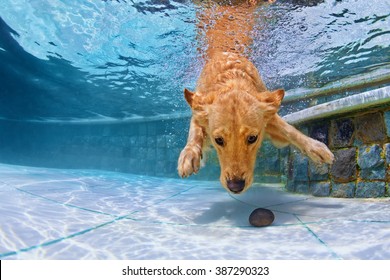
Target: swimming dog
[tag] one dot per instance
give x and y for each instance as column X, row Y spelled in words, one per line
column 231, row 107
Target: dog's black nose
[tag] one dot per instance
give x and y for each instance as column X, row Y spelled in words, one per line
column 236, row 186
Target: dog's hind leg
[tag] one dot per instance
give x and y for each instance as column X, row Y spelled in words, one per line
column 282, row 134
column 190, row 156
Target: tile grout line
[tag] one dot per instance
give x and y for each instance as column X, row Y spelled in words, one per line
column 162, row 200
column 91, row 210
column 118, row 218
column 334, row 254
column 45, row 244
column 65, row 204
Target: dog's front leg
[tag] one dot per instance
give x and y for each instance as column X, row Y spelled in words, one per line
column 190, row 156
column 281, row 134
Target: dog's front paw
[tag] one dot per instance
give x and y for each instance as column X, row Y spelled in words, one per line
column 319, row 152
column 189, row 160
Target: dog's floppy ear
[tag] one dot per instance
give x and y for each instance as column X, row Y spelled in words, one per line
column 271, row 100
column 198, row 104
column 189, row 96
column 197, row 101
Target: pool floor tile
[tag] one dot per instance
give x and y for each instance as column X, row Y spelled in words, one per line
column 86, row 214
column 128, row 239
column 356, row 239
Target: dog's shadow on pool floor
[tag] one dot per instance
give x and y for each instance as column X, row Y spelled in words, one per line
column 225, row 213
column 284, row 205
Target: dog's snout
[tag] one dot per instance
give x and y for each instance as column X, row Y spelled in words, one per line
column 236, row 186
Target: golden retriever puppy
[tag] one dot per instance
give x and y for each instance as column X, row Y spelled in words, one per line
column 231, row 107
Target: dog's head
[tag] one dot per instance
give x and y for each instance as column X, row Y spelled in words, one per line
column 235, row 122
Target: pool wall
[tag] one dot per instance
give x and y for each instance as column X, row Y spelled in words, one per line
column 140, row 147
column 147, row 148
column 357, row 130
column 361, row 145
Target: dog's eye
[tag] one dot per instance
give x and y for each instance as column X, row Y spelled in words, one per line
column 219, row 141
column 252, row 139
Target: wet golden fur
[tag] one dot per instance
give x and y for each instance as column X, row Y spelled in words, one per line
column 232, row 109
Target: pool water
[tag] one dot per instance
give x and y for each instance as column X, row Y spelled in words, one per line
column 93, row 84
column 84, row 60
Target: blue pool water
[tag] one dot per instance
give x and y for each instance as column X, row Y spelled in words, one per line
column 91, row 86
column 121, row 59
